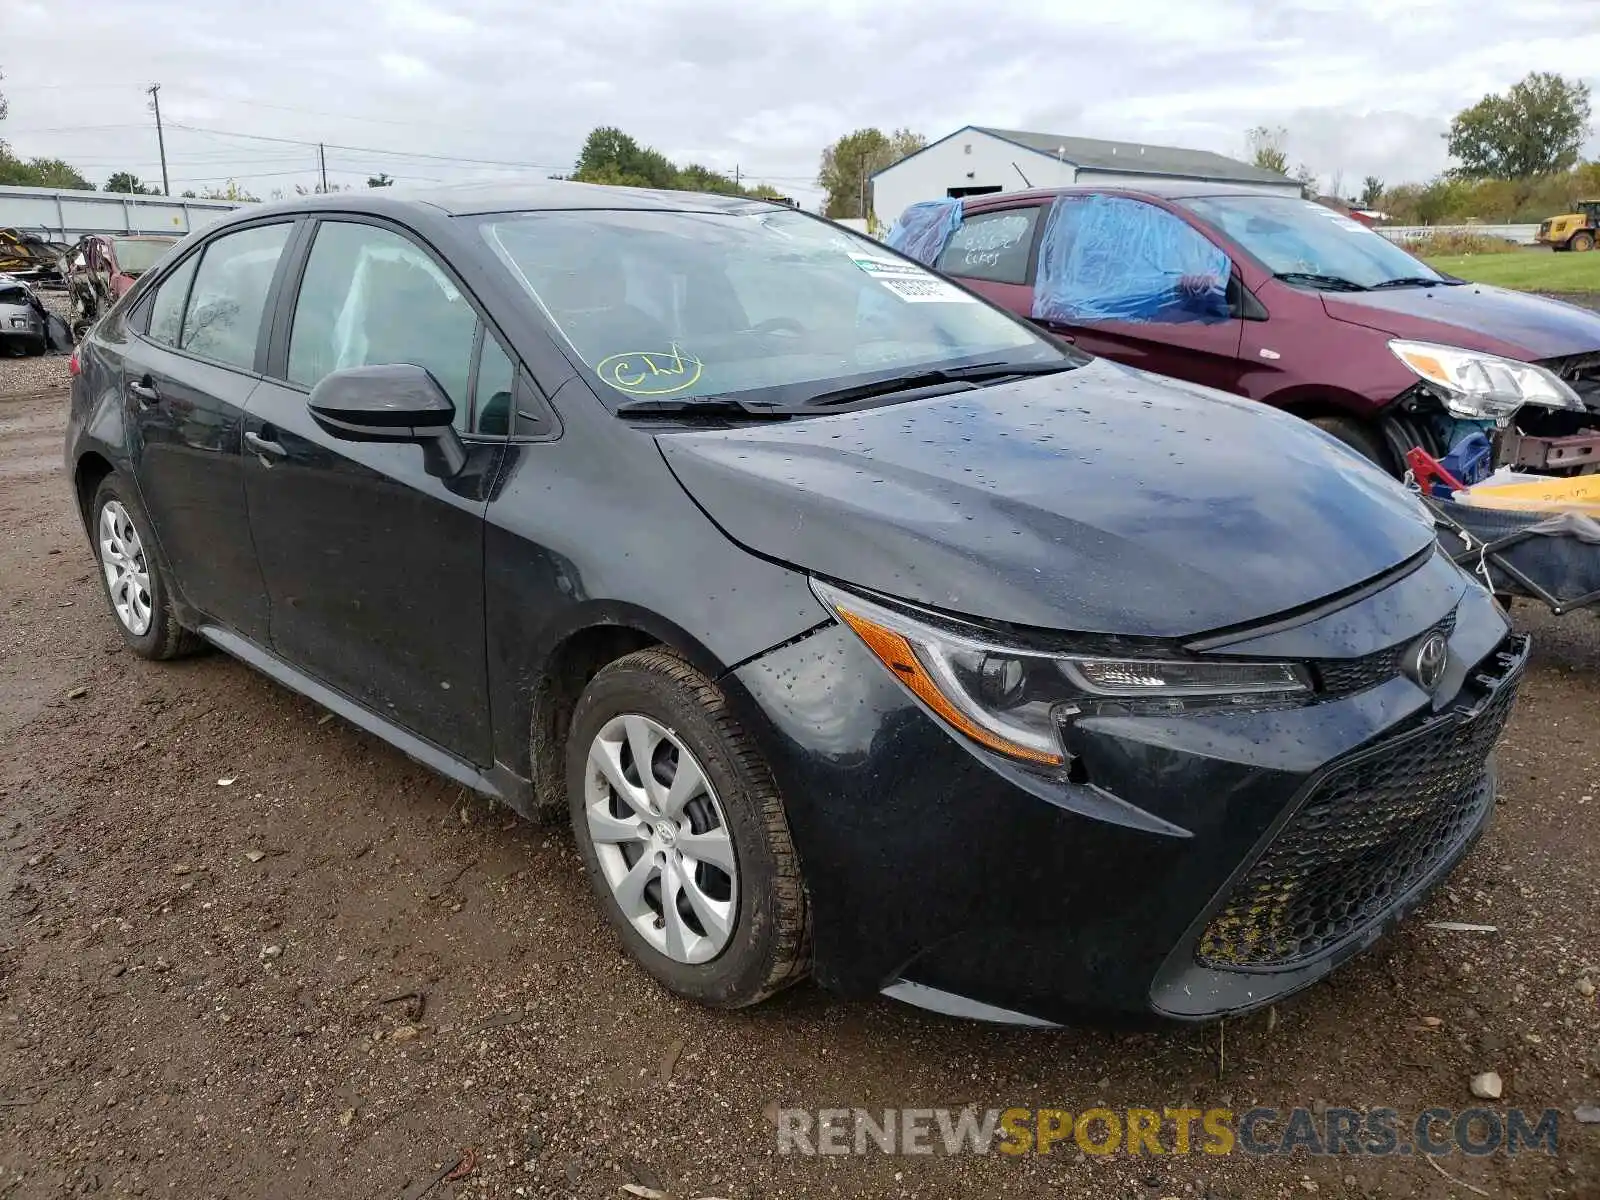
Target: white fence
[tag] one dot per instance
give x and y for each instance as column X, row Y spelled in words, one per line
column 65, row 216
column 1521, row 234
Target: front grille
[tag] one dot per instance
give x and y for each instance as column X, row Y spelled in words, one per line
column 1369, row 833
column 1346, row 676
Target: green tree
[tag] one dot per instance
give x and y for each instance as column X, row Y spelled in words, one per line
column 611, row 156
column 129, row 184
column 849, row 164
column 1536, row 128
column 1371, row 191
column 380, row 180
column 1307, row 179
column 41, row 173
column 229, row 191
column 1267, row 148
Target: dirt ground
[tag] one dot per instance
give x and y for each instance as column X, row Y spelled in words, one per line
column 249, row 951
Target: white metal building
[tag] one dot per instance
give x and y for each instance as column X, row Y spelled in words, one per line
column 976, row 160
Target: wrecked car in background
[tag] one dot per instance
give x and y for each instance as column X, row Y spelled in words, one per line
column 26, row 326
column 1285, row 301
column 100, row 268
column 29, row 257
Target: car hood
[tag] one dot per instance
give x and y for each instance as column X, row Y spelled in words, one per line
column 1476, row 316
column 1099, row 500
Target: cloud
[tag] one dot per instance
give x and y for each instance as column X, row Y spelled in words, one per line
column 1363, row 86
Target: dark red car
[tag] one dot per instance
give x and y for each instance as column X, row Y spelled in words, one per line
column 101, row 267
column 1286, row 301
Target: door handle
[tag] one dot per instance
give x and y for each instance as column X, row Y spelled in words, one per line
column 266, row 448
column 145, row 393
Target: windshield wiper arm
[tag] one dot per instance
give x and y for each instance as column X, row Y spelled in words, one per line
column 1413, row 281
column 937, row 381
column 1334, row 283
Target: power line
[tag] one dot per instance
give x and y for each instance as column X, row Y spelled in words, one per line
column 417, row 154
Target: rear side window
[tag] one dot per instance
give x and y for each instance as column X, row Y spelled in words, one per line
column 166, row 307
column 992, row 245
column 223, row 319
column 372, row 297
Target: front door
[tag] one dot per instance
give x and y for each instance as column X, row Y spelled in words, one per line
column 186, row 379
column 1132, row 282
column 373, row 566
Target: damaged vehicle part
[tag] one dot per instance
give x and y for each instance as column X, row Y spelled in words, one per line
column 25, row 324
column 100, row 268
column 858, row 628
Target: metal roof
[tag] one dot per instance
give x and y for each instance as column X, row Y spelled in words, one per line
column 1132, row 158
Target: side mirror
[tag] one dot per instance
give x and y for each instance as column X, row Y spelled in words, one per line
column 392, row 403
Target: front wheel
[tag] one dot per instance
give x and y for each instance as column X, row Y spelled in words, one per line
column 134, row 585
column 684, row 835
column 1360, row 437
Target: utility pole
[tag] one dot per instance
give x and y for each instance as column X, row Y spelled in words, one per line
column 736, row 175
column 155, row 98
column 322, row 163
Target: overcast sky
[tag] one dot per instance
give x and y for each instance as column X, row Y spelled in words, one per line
column 1363, row 86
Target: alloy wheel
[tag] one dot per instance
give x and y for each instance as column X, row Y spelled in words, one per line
column 661, row 838
column 122, row 558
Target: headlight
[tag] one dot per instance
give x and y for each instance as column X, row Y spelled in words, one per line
column 1013, row 700
column 1484, row 386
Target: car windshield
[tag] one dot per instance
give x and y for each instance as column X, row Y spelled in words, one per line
column 135, row 256
column 755, row 303
column 1295, row 237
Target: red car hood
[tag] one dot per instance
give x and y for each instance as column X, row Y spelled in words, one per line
column 1475, row 316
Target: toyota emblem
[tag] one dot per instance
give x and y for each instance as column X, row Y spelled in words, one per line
column 1425, row 663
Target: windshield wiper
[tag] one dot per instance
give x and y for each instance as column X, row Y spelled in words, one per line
column 1414, row 281
column 700, row 406
column 937, row 381
column 1334, row 283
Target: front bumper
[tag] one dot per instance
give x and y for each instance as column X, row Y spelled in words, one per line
column 946, row 873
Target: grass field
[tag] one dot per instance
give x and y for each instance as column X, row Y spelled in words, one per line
column 1527, row 270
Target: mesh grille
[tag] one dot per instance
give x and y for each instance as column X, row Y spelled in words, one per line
column 1368, row 834
column 1345, row 676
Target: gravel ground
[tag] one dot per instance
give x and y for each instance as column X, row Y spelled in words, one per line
column 249, row 951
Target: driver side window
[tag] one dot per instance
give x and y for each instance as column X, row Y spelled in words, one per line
column 372, row 297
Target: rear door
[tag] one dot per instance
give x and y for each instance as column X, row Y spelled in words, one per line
column 374, row 567
column 994, row 252
column 1133, row 282
column 186, row 377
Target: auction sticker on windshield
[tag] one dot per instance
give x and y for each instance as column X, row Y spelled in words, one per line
column 910, row 282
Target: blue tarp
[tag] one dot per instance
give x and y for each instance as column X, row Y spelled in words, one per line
column 924, row 228
column 1106, row 258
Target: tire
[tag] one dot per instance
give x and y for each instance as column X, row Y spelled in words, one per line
column 764, row 944
column 1360, row 437
column 158, row 636
column 1581, row 241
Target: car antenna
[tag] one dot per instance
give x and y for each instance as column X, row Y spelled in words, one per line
column 1018, row 170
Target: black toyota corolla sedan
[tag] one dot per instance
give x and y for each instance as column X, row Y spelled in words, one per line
column 862, row 631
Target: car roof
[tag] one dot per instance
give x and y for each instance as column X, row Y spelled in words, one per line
column 470, row 199
column 1161, row 190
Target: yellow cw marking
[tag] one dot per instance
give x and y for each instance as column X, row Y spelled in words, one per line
column 650, row 372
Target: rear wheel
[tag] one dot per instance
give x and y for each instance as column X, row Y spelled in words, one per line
column 134, row 584
column 1360, row 437
column 684, row 835
column 1582, row 241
